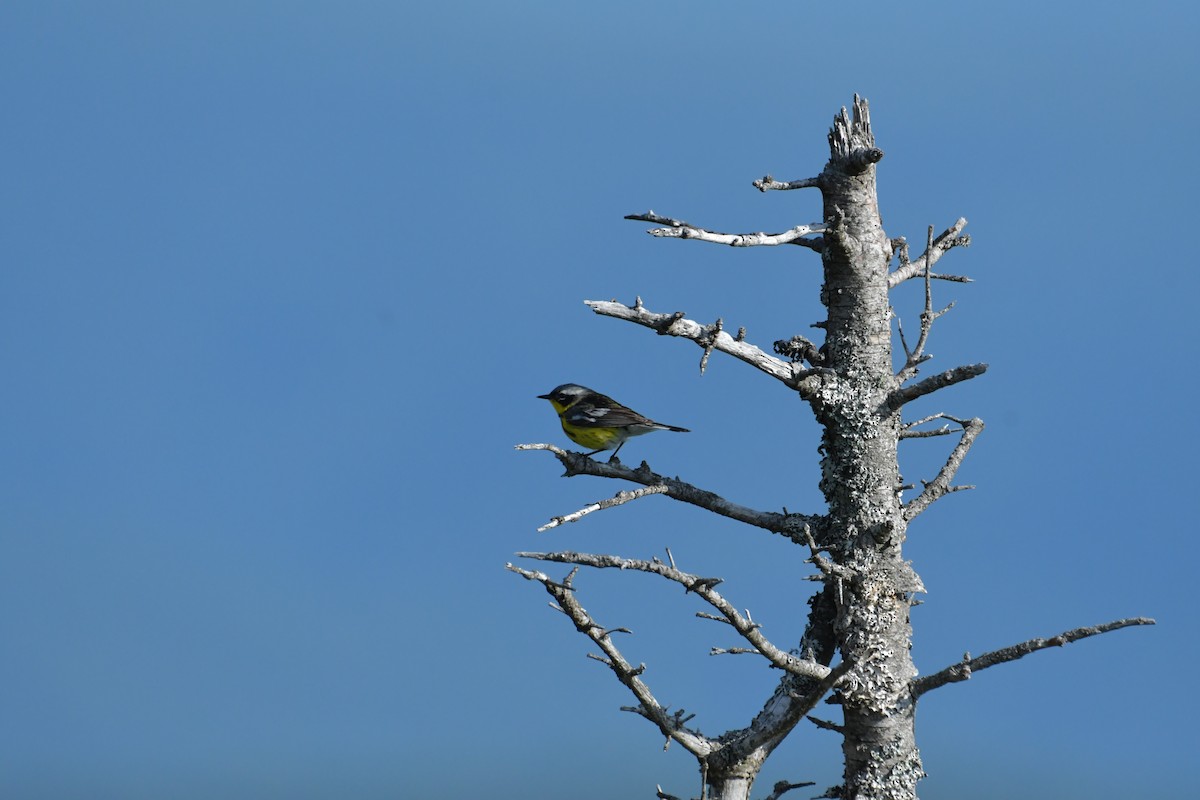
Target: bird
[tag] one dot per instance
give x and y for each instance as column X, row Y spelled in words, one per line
column 596, row 420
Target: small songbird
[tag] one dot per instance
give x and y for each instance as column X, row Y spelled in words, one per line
column 595, row 420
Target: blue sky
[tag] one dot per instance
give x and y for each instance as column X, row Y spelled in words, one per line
column 280, row 283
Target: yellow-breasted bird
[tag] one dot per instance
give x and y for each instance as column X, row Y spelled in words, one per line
column 596, row 420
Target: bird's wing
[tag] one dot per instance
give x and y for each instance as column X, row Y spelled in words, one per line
column 592, row 416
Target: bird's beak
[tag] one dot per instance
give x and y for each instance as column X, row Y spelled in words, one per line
column 543, row 397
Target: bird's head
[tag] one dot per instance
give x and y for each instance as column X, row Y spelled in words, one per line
column 565, row 396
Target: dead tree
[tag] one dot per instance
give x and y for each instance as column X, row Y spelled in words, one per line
column 856, row 642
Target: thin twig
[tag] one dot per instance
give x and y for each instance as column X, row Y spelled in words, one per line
column 620, row 498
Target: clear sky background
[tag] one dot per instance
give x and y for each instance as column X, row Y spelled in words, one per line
column 279, row 283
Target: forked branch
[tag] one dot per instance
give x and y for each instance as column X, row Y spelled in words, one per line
column 705, row 589
column 909, row 429
column 947, row 239
column 964, row 669
column 671, row 726
column 941, row 486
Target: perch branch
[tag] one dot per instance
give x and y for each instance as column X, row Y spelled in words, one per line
column 678, row 229
column 787, row 524
column 704, row 587
column 620, row 498
column 964, row 669
column 671, row 726
column 940, row 485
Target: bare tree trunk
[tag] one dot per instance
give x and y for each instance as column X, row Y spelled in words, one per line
column 860, row 477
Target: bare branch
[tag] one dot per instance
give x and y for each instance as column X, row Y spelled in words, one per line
column 934, row 382
column 767, row 183
column 790, row 525
column 926, row 315
column 964, row 669
column 620, row 498
column 704, row 587
column 678, row 229
column 693, row 741
column 947, row 239
column 793, row 696
column 708, row 337
column 940, row 485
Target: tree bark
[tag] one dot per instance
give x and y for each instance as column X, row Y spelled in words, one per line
column 860, row 476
